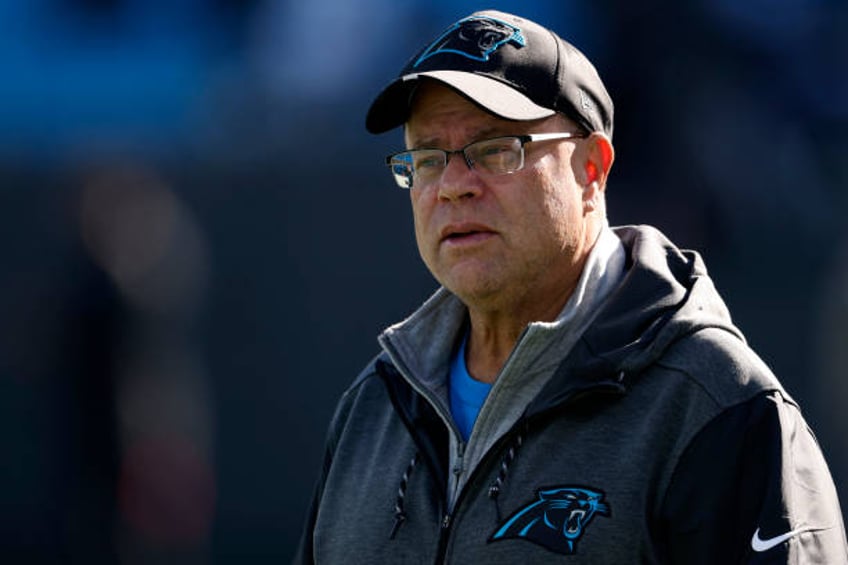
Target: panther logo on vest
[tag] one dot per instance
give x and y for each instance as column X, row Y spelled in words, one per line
column 475, row 37
column 556, row 520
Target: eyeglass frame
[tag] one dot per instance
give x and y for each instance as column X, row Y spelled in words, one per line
column 522, row 139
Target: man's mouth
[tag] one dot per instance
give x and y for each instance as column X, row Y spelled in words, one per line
column 465, row 233
column 461, row 234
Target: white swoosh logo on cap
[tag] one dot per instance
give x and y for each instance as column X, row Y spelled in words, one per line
column 759, row 545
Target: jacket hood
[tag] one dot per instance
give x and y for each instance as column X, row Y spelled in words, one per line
column 665, row 295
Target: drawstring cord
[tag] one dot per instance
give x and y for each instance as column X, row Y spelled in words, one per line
column 495, row 488
column 400, row 514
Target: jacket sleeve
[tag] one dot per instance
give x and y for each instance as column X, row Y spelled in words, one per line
column 753, row 487
column 304, row 554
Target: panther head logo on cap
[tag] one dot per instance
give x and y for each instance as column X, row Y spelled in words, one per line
column 475, row 37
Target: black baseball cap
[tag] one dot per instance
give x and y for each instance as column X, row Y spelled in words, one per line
column 510, row 66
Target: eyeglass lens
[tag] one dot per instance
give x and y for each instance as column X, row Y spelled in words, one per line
column 421, row 167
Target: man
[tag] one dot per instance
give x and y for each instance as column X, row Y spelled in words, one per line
column 572, row 391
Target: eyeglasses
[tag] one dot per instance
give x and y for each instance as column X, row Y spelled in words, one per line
column 497, row 156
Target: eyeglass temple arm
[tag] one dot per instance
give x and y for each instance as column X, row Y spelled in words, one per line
column 549, row 136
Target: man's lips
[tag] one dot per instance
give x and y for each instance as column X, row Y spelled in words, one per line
column 465, row 232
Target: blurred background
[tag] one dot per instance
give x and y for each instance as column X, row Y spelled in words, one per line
column 200, row 244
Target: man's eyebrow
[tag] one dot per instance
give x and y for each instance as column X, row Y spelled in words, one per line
column 427, row 142
column 485, row 133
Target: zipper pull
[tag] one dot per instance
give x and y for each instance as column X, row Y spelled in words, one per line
column 459, row 461
column 446, row 522
column 457, row 467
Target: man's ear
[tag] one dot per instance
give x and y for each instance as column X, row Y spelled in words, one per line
column 599, row 159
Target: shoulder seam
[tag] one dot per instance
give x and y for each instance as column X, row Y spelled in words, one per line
column 748, row 360
column 691, row 378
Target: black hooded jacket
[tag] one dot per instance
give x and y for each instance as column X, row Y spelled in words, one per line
column 660, row 438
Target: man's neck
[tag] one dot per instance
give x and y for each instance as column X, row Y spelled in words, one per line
column 497, row 324
column 495, row 333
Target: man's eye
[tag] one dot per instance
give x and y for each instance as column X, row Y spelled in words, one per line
column 496, row 149
column 428, row 162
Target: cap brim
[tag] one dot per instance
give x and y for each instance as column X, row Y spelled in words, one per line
column 391, row 107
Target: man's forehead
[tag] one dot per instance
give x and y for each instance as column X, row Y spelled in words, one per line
column 438, row 113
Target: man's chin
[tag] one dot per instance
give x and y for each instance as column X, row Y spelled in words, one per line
column 474, row 286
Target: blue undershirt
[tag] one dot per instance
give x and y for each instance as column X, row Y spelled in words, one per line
column 466, row 394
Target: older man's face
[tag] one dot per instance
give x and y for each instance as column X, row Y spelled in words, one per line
column 493, row 240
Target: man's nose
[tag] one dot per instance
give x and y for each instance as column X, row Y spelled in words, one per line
column 459, row 179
